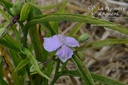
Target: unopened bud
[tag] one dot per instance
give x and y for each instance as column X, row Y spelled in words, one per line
column 15, row 10
column 84, row 37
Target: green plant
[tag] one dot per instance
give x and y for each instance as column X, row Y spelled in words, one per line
column 23, row 64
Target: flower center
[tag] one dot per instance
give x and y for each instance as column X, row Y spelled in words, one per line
column 61, row 39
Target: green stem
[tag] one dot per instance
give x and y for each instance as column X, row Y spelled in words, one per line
column 56, row 73
column 24, row 34
column 63, row 67
column 34, row 35
column 85, row 74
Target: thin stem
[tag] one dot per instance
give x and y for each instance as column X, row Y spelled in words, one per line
column 13, row 21
column 56, row 73
column 63, row 67
column 46, row 62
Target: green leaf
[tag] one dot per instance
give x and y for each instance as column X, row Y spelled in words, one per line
column 22, row 64
column 14, row 13
column 85, row 74
column 37, row 12
column 50, row 29
column 16, row 79
column 9, row 45
column 76, row 18
column 2, row 31
column 96, row 77
column 36, row 43
column 17, row 34
column 33, row 62
column 25, row 11
column 101, row 43
column 7, row 5
column 38, row 53
column 75, row 29
column 1, row 66
column 105, row 80
column 15, row 57
column 16, row 8
column 61, row 10
column 3, row 82
column 2, row 25
column 12, row 41
column 4, row 15
column 9, row 42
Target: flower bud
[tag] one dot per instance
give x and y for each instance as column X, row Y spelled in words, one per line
column 84, row 37
column 15, row 10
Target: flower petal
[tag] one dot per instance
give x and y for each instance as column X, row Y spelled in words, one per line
column 72, row 42
column 52, row 43
column 64, row 53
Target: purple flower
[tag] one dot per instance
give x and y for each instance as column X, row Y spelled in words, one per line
column 62, row 44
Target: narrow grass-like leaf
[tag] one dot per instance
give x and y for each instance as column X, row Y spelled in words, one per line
column 75, row 29
column 3, row 24
column 9, row 42
column 17, row 34
column 2, row 31
column 96, row 77
column 15, row 57
column 4, row 15
column 105, row 80
column 1, row 66
column 24, row 14
column 6, row 4
column 14, row 75
column 37, row 12
column 34, row 35
column 61, row 10
column 36, row 39
column 2, row 82
column 85, row 74
column 76, row 18
column 50, row 28
column 33, row 62
column 101, row 43
column 56, row 76
column 9, row 45
column 22, row 64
